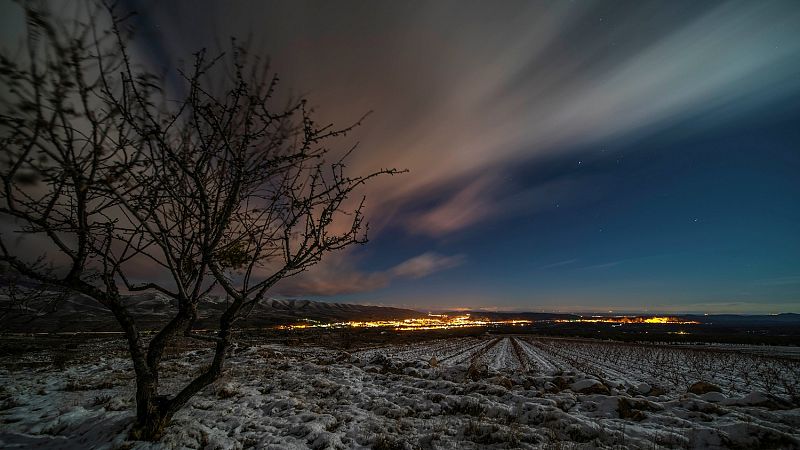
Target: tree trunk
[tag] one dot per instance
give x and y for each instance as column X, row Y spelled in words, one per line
column 152, row 410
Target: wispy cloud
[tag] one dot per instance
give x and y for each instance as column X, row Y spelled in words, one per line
column 426, row 264
column 338, row 276
column 466, row 207
column 480, row 98
column 519, row 105
column 566, row 262
column 605, row 265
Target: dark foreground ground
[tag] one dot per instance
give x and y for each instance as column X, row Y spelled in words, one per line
column 380, row 389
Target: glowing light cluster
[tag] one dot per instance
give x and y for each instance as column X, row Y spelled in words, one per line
column 444, row 321
column 636, row 319
column 429, row 322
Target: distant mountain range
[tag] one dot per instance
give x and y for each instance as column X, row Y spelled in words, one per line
column 51, row 313
column 48, row 313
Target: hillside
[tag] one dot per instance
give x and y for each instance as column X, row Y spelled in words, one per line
column 48, row 313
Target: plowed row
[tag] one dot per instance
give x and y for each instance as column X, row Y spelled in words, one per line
column 669, row 367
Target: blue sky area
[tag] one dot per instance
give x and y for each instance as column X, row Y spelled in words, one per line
column 571, row 156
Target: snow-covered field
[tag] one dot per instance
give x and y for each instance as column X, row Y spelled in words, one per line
column 492, row 392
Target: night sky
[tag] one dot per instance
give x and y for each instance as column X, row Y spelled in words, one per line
column 572, row 156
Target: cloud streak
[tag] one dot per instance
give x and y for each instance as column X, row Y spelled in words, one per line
column 337, row 276
column 426, row 264
column 463, row 93
column 469, row 96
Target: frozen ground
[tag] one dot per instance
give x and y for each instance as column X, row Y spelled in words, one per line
column 468, row 393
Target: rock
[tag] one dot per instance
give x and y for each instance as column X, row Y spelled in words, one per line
column 379, row 359
column 589, row 386
column 759, row 399
column 412, row 372
column 562, row 382
column 713, row 397
column 633, row 408
column 656, row 391
column 703, row 387
column 433, row 362
column 628, row 409
column 643, row 388
column 372, row 369
column 505, row 382
column 477, row 371
column 528, row 383
column 118, row 404
column 551, row 388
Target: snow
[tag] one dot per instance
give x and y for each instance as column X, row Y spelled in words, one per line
column 713, row 397
column 585, row 384
column 498, row 392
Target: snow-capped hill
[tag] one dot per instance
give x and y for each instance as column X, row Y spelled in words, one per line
column 54, row 313
column 288, row 310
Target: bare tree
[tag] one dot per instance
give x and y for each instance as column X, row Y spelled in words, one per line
column 220, row 189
